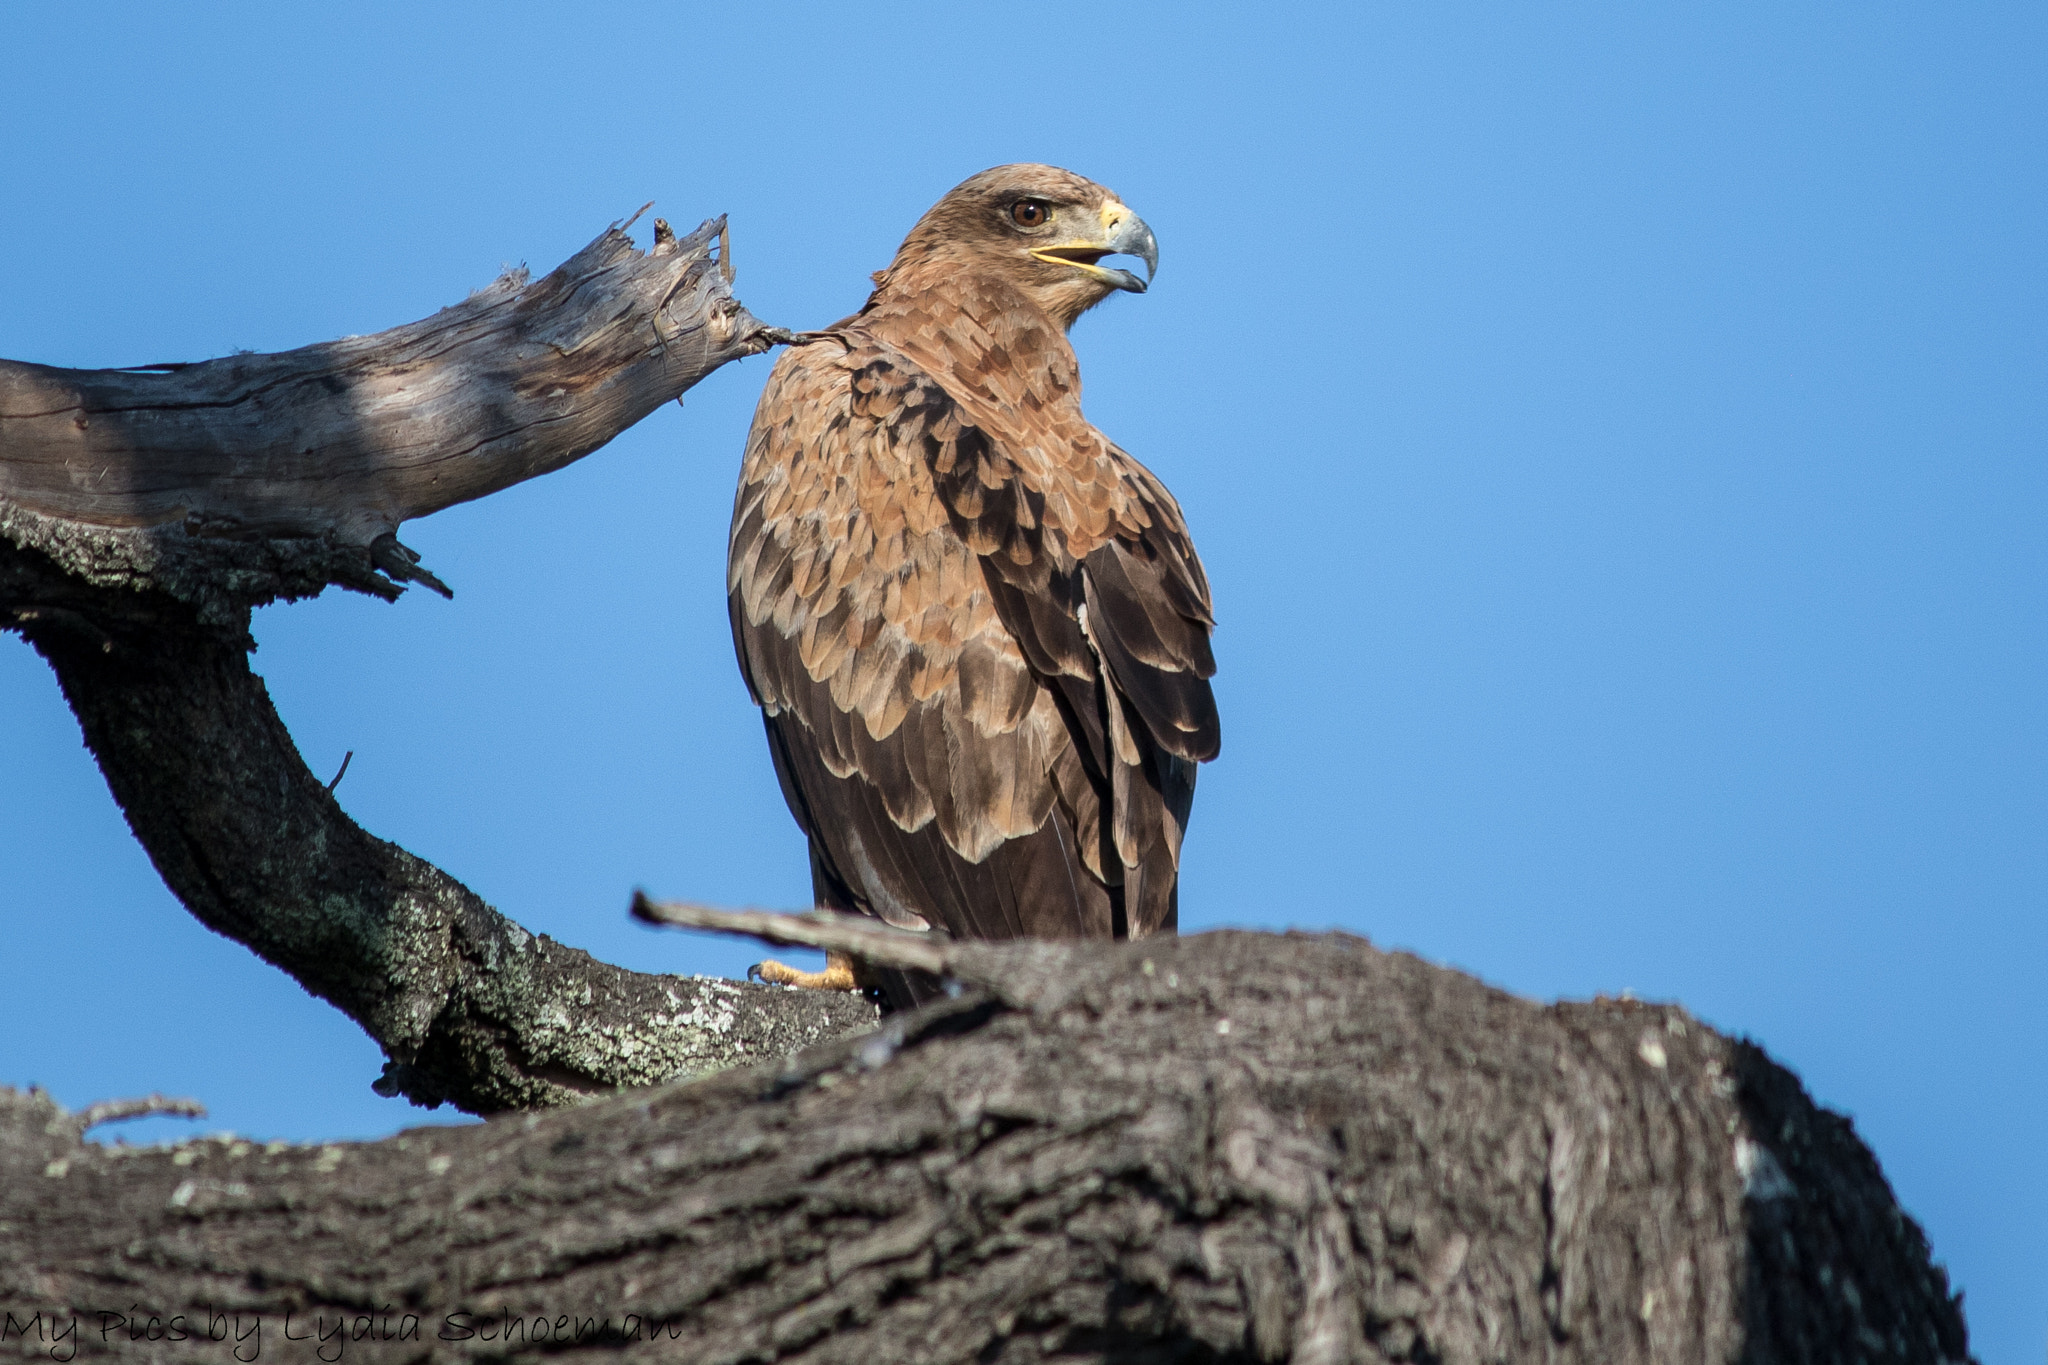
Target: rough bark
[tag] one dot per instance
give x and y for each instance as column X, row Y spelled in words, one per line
column 1228, row 1147
column 1231, row 1147
column 143, row 514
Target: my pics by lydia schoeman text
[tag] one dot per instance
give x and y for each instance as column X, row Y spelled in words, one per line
column 326, row 1335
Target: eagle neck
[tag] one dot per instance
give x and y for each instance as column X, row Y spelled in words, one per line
column 979, row 337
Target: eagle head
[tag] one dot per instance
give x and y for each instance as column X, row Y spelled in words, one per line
column 1040, row 229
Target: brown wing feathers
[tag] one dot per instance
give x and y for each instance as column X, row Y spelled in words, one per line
column 978, row 632
column 914, row 743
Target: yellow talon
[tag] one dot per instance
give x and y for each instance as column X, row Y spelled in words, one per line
column 837, row 976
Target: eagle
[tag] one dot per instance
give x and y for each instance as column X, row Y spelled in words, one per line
column 977, row 630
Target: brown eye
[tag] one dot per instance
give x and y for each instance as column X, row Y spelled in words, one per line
column 1029, row 212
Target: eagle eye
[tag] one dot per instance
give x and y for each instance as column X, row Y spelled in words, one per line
column 1030, row 212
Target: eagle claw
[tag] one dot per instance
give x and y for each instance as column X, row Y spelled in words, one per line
column 837, row 976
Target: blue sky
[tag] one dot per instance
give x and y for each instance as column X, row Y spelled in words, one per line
column 1615, row 435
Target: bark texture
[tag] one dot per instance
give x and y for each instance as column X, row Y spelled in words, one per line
column 232, row 481
column 1230, row 1147
column 143, row 514
column 1225, row 1148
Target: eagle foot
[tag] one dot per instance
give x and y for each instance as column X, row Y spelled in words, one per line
column 837, row 976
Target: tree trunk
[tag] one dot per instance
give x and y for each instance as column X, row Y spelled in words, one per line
column 1228, row 1147
column 1224, row 1148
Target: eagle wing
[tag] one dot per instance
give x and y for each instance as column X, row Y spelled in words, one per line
column 984, row 676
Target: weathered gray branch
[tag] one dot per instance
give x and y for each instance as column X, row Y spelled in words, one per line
column 140, row 1107
column 231, row 481
column 141, row 515
column 1228, row 1147
column 930, row 950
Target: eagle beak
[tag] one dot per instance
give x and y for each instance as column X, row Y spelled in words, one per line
column 1121, row 233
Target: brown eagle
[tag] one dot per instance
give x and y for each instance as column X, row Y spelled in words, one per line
column 977, row 630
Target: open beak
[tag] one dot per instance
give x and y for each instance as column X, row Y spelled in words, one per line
column 1116, row 232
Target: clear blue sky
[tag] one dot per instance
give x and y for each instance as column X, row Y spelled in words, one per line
column 1615, row 434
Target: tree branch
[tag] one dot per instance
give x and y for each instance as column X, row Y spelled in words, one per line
column 142, row 1107
column 1223, row 1148
column 143, row 514
column 233, row 481
column 1227, row 1147
column 930, row 950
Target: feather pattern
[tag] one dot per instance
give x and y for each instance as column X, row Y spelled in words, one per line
column 978, row 631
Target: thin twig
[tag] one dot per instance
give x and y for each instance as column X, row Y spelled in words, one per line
column 402, row 563
column 855, row 935
column 342, row 771
column 635, row 218
column 114, row 1111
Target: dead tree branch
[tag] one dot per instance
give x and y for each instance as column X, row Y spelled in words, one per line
column 233, row 481
column 874, row 942
column 1224, row 1148
column 142, row 514
column 1228, row 1147
column 142, row 1107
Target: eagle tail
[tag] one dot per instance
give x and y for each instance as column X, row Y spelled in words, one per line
column 1037, row 885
